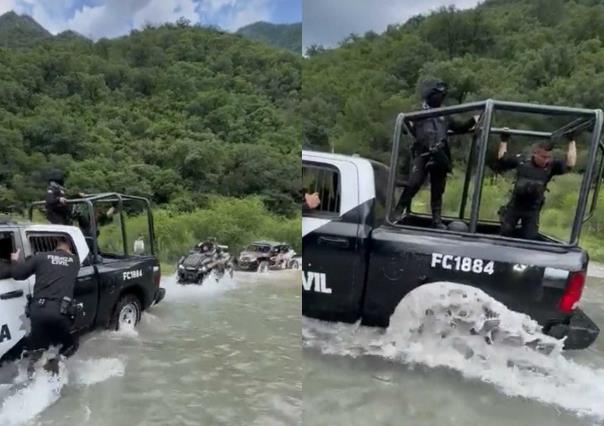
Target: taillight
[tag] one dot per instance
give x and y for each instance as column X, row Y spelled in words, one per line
column 156, row 275
column 572, row 292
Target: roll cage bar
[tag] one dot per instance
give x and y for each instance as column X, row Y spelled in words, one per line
column 587, row 119
column 108, row 198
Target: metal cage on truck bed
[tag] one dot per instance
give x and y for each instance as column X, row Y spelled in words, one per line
column 590, row 120
column 92, row 200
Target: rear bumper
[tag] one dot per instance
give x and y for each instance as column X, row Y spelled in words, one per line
column 580, row 331
column 159, row 295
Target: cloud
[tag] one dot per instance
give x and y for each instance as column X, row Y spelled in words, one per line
column 235, row 14
column 8, row 5
column 113, row 18
column 327, row 22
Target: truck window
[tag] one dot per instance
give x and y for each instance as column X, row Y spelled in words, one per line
column 7, row 246
column 47, row 241
column 325, row 181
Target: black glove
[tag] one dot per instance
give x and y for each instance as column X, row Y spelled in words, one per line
column 505, row 135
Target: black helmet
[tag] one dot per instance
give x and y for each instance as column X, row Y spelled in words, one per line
column 431, row 87
column 56, row 176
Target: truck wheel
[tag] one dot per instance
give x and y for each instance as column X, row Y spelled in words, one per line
column 294, row 265
column 127, row 313
column 263, row 266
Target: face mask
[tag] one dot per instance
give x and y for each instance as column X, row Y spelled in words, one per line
column 435, row 100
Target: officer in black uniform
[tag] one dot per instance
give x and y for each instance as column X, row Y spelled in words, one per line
column 57, row 210
column 51, row 305
column 533, row 173
column 430, row 152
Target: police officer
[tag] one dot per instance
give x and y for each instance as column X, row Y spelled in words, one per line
column 430, row 152
column 57, row 210
column 50, row 307
column 533, row 173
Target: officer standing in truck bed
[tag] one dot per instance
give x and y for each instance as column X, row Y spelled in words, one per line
column 431, row 154
column 533, row 173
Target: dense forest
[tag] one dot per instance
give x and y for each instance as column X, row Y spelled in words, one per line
column 543, row 51
column 285, row 36
column 177, row 113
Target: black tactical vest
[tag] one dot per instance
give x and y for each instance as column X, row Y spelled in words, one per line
column 429, row 133
column 531, row 183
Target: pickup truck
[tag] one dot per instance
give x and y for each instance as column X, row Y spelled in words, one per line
column 360, row 261
column 113, row 289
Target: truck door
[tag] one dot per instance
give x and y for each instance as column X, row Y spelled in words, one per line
column 334, row 238
column 13, row 324
column 86, row 290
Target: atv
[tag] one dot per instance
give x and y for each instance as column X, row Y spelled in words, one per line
column 197, row 265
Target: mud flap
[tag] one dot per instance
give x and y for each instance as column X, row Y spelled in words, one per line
column 580, row 331
column 13, row 323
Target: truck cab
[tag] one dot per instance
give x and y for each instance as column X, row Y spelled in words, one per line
column 361, row 259
column 113, row 287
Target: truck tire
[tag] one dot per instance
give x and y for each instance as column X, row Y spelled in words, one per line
column 294, row 265
column 127, row 313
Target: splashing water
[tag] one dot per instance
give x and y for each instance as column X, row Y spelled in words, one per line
column 186, row 293
column 30, row 397
column 462, row 328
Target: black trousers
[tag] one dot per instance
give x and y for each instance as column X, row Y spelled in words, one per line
column 50, row 328
column 417, row 177
column 511, row 214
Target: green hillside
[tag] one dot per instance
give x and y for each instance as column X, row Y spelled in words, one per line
column 284, row 36
column 20, row 30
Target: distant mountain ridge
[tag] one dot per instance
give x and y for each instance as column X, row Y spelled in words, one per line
column 20, row 30
column 284, row 36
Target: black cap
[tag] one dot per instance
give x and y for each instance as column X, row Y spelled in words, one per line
column 56, row 176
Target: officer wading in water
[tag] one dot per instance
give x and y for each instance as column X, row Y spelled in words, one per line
column 533, row 173
column 431, row 153
column 50, row 309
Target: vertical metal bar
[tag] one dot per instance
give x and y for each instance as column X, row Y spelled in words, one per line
column 150, row 226
column 482, row 154
column 123, row 224
column 466, row 184
column 396, row 140
column 583, row 194
column 93, row 228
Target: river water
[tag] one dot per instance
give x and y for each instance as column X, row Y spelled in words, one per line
column 358, row 376
column 220, row 354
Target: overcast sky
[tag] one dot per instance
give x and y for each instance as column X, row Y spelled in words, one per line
column 111, row 18
column 327, row 22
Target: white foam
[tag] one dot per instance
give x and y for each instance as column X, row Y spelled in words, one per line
column 26, row 399
column 519, row 360
column 92, row 371
column 36, row 396
column 189, row 293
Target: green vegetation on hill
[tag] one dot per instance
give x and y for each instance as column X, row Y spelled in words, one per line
column 20, row 30
column 543, row 51
column 176, row 113
column 284, row 36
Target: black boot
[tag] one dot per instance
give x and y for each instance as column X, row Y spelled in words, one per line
column 402, row 208
column 436, row 217
column 52, row 366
